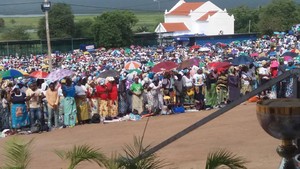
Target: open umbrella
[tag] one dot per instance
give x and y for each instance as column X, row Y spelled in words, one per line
column 189, row 63
column 287, row 58
column 263, row 58
column 39, row 74
column 195, row 47
column 109, row 73
column 254, row 55
column 291, row 54
column 138, row 71
column 10, row 74
column 59, row 74
column 218, row 65
column 150, row 64
column 242, row 60
column 164, row 66
column 132, row 65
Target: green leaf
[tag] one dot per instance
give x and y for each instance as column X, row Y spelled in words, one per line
column 224, row 158
column 17, row 154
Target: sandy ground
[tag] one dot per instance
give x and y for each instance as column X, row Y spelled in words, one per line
column 237, row 130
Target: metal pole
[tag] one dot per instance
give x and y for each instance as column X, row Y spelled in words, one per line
column 48, row 38
column 249, row 26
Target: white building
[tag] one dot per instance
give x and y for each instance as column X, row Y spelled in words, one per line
column 196, row 18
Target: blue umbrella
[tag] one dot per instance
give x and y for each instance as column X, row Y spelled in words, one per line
column 242, row 60
column 169, row 49
column 272, row 53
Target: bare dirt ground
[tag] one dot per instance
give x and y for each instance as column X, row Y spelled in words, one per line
column 237, row 130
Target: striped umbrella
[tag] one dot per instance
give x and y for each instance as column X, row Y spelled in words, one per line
column 132, row 65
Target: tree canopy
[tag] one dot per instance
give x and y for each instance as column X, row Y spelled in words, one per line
column 61, row 22
column 114, row 29
column 16, row 33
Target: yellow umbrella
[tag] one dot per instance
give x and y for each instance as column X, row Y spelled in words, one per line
column 1, row 67
column 86, row 53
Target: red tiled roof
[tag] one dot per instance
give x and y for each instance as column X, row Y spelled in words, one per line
column 185, row 8
column 173, row 27
column 205, row 16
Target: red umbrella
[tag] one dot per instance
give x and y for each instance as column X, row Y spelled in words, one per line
column 254, row 55
column 195, row 47
column 164, row 66
column 219, row 66
column 189, row 63
column 39, row 74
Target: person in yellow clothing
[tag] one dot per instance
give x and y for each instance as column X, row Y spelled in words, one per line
column 52, row 100
column 81, row 103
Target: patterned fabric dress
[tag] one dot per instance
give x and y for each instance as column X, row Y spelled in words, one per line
column 19, row 112
column 4, row 117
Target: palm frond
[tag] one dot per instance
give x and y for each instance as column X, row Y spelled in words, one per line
column 17, row 154
column 113, row 162
column 82, row 153
column 224, row 158
column 133, row 160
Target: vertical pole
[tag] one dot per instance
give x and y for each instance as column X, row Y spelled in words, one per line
column 249, row 26
column 48, row 38
column 295, row 87
column 7, row 49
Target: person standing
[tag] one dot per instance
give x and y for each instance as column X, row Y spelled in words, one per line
column 123, row 105
column 92, row 96
column 34, row 98
column 233, row 84
column 112, row 97
column 52, row 99
column 179, row 89
column 69, row 104
column 137, row 101
column 19, row 112
column 102, row 94
column 4, row 112
column 81, row 103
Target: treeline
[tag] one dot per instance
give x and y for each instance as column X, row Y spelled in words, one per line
column 279, row 15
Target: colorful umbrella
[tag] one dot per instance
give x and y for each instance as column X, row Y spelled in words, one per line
column 218, row 65
column 138, row 71
column 59, row 74
column 150, row 64
column 189, row 63
column 164, row 66
column 274, row 64
column 291, row 54
column 195, row 47
column 10, row 74
column 109, row 73
column 254, row 55
column 242, row 60
column 39, row 74
column 132, row 65
column 287, row 58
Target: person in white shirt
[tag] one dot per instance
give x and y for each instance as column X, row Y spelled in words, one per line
column 264, row 74
column 199, row 79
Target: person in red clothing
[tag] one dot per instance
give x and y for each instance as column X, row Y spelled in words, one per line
column 112, row 97
column 101, row 91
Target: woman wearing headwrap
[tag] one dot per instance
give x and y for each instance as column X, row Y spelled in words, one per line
column 112, row 97
column 137, row 101
column 19, row 114
column 123, row 103
column 81, row 103
column 233, row 84
column 101, row 90
column 92, row 96
column 211, row 93
column 69, row 104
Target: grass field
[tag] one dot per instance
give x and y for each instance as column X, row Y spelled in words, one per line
column 149, row 20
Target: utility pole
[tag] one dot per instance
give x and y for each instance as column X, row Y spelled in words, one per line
column 249, row 26
column 45, row 8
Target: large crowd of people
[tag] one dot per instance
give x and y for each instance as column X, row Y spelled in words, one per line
column 206, row 77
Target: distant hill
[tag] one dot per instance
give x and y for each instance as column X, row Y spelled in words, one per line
column 33, row 7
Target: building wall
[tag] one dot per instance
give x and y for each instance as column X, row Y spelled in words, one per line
column 220, row 21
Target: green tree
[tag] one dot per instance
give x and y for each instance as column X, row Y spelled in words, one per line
column 16, row 33
column 114, row 29
column 142, row 29
column 83, row 29
column 279, row 15
column 12, row 21
column 2, row 22
column 243, row 15
column 61, row 22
